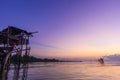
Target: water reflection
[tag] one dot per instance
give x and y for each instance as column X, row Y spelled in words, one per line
column 17, row 70
column 63, row 71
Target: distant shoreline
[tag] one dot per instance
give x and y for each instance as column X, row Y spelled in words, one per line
column 14, row 59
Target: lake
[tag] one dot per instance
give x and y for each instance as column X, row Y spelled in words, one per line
column 66, row 71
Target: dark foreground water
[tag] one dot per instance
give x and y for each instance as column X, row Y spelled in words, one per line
column 66, row 71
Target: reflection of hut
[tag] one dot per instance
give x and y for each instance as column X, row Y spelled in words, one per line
column 101, row 60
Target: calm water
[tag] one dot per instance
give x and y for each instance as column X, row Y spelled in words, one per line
column 68, row 71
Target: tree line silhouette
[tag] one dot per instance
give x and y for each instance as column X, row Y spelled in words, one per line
column 14, row 59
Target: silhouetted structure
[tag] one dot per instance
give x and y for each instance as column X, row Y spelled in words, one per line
column 13, row 41
column 101, row 61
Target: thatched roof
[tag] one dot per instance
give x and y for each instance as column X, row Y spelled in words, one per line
column 14, row 35
column 14, row 31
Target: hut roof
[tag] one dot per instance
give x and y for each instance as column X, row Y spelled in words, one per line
column 14, row 35
column 14, row 31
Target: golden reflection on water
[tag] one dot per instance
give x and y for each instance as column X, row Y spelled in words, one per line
column 63, row 71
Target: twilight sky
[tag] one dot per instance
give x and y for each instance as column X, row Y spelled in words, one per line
column 67, row 28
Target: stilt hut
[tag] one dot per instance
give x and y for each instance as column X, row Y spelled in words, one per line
column 13, row 40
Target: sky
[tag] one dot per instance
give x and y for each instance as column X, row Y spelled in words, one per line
column 67, row 28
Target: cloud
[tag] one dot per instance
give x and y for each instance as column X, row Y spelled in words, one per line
column 44, row 45
column 115, row 57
